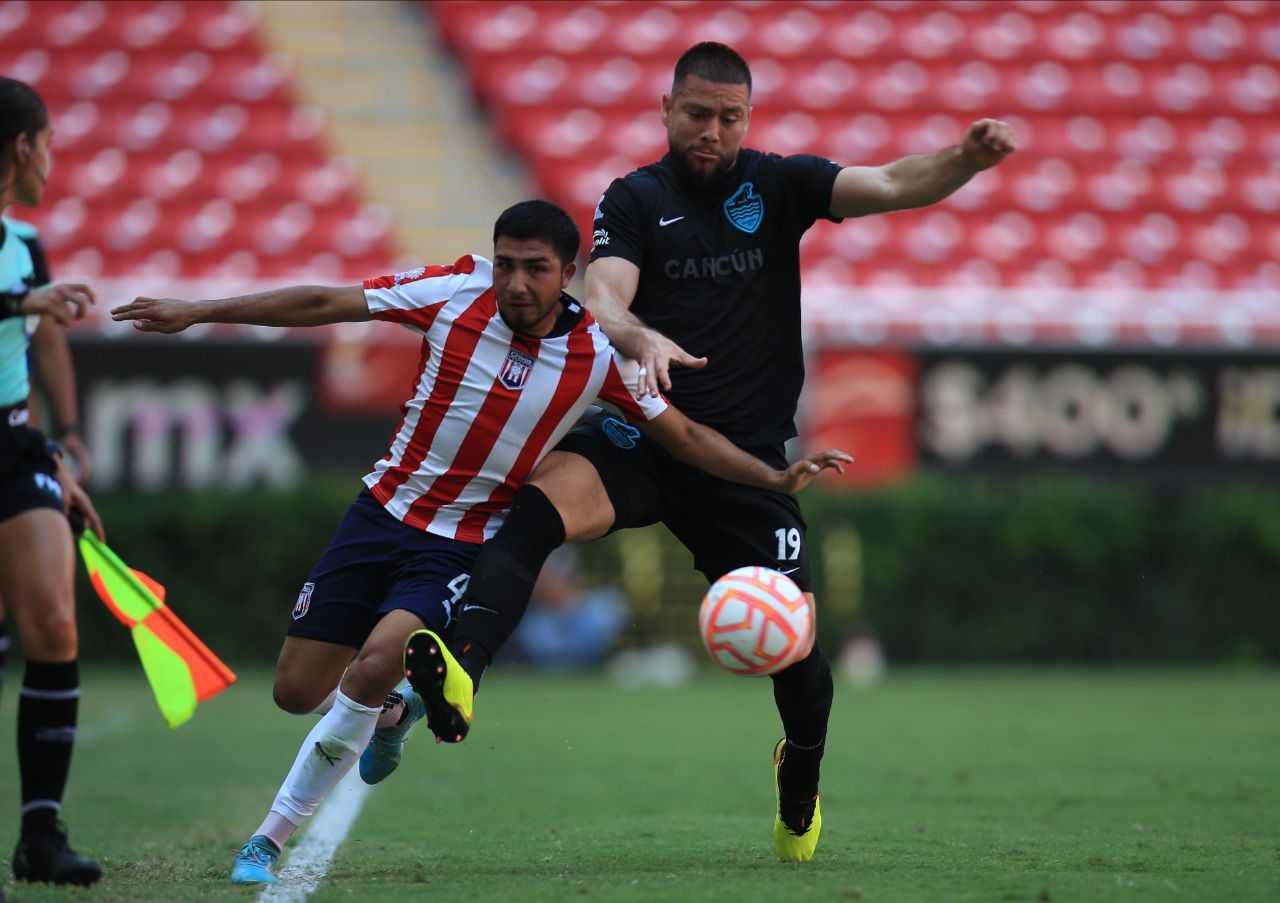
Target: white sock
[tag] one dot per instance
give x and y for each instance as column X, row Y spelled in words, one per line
column 390, row 717
column 332, row 747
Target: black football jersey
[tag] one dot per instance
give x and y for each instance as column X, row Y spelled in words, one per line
column 720, row 276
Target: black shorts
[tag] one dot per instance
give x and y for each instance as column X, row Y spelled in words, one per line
column 375, row 564
column 28, row 472
column 725, row 525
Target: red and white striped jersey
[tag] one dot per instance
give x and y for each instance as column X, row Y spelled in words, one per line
column 488, row 403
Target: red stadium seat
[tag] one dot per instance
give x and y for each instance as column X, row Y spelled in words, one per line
column 180, row 145
column 1149, row 132
column 126, row 24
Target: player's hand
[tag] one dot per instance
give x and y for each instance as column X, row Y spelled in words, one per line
column 65, row 302
column 801, row 473
column 656, row 355
column 74, row 498
column 987, row 142
column 167, row 315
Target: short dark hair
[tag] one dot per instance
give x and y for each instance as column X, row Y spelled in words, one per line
column 714, row 62
column 21, row 110
column 540, row 221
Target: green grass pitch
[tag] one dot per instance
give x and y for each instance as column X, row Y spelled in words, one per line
column 939, row 785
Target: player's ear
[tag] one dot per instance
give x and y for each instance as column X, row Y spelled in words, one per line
column 21, row 148
column 566, row 274
column 666, row 109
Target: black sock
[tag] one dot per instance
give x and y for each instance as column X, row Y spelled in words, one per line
column 803, row 695
column 473, row 658
column 502, row 580
column 47, row 707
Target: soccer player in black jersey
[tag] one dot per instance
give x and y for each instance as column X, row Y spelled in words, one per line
column 695, row 273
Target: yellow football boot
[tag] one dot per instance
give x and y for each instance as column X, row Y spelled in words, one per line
column 797, row 837
column 445, row 687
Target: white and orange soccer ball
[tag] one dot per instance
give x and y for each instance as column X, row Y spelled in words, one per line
column 755, row 620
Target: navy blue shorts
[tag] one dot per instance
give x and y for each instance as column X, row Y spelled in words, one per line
column 28, row 473
column 376, row 564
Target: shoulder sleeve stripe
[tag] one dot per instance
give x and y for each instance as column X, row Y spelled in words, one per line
column 413, row 298
column 462, row 266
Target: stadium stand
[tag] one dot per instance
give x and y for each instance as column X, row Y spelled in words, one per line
column 1141, row 209
column 182, row 150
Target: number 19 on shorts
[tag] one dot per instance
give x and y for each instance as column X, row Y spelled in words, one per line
column 788, row 543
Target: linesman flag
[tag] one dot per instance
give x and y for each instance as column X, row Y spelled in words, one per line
column 181, row 669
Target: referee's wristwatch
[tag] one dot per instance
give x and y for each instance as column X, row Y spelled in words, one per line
column 11, row 304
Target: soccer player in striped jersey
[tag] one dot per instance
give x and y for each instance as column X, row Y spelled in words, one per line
column 509, row 362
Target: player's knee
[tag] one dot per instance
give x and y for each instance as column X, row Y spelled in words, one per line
column 49, row 629
column 296, row 697
column 374, row 672
column 539, row 518
column 565, row 508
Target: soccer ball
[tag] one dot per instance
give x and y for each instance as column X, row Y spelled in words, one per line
column 755, row 620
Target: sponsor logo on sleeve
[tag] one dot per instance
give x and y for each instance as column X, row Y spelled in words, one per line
column 410, row 275
column 600, row 238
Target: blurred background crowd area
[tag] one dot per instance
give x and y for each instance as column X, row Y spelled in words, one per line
column 1061, row 385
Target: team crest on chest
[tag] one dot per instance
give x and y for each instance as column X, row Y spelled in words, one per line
column 745, row 209
column 515, row 370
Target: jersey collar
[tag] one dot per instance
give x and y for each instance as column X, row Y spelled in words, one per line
column 569, row 318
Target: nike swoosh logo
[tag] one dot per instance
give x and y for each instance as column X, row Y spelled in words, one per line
column 792, row 571
column 662, row 221
column 478, row 608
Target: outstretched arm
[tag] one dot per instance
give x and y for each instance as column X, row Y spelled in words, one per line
column 610, row 288
column 703, row 447
column 921, row 179
column 296, row 305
